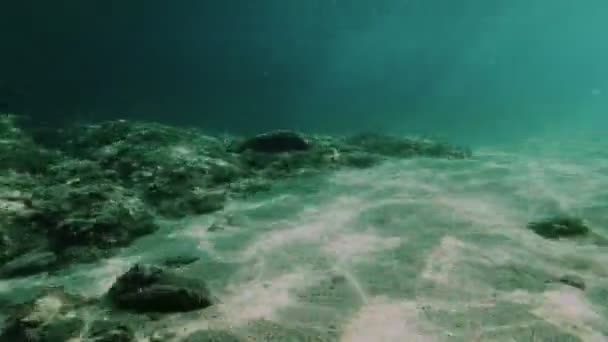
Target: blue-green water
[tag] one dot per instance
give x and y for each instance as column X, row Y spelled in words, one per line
column 409, row 250
column 471, row 71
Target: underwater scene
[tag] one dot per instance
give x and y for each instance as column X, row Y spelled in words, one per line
column 322, row 170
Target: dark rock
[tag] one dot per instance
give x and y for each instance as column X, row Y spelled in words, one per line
column 215, row 227
column 212, row 336
column 110, row 331
column 180, row 260
column 28, row 264
column 147, row 288
column 574, row 281
column 275, row 142
column 558, row 227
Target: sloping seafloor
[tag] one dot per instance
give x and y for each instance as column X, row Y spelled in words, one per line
column 415, row 250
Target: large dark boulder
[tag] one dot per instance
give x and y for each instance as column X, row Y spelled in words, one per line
column 274, row 142
column 148, row 288
column 558, row 227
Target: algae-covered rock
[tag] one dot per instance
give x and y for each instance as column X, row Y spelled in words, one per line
column 148, row 288
column 274, row 155
column 180, row 192
column 79, row 205
column 16, row 203
column 558, row 227
column 177, row 171
column 131, row 146
column 94, row 214
column 29, row 263
column 91, row 188
column 275, row 142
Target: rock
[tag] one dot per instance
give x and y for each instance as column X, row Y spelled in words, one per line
column 109, row 331
column 557, row 227
column 28, row 264
column 180, row 260
column 148, row 288
column 89, row 213
column 573, row 280
column 215, row 227
column 275, row 142
column 183, row 191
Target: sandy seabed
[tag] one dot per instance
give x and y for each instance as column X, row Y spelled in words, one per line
column 416, row 250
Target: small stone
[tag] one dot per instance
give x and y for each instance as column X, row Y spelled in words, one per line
column 215, row 227
column 573, row 280
column 180, row 260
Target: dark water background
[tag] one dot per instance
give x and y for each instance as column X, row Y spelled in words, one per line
column 470, row 70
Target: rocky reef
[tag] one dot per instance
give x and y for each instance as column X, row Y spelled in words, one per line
column 79, row 194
